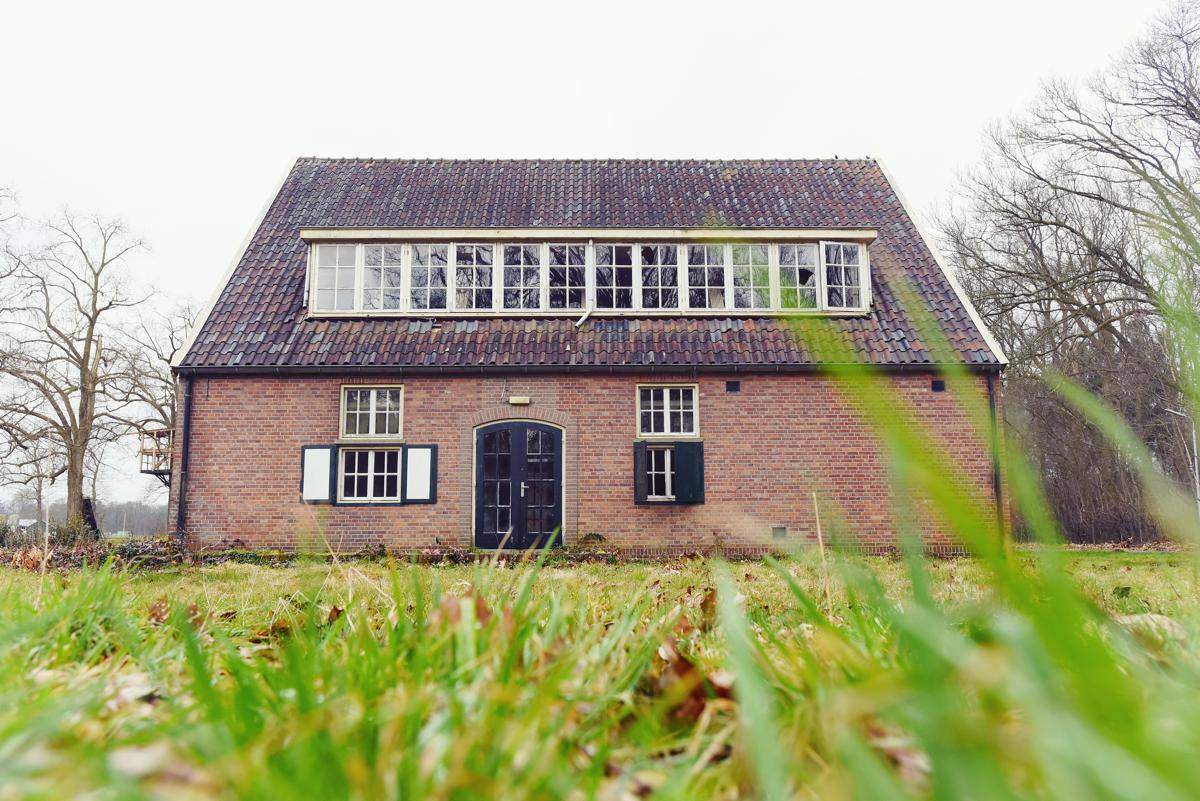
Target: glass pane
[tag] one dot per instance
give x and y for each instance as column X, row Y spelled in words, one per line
column 325, row 277
column 326, row 255
column 372, row 255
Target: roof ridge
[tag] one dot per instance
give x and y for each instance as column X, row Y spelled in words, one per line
column 586, row 160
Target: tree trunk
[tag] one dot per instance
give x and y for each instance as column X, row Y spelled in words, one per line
column 75, row 484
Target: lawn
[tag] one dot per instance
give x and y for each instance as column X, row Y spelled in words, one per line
column 687, row 679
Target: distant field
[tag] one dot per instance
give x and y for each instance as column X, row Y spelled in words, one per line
column 370, row 680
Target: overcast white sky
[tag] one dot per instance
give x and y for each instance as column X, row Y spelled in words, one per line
column 182, row 118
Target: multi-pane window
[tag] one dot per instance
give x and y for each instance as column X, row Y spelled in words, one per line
column 473, row 276
column 706, row 276
column 798, row 276
column 614, row 276
column 660, row 277
column 381, row 277
column 522, row 276
column 428, row 277
column 842, row 287
column 558, row 278
column 751, row 277
column 667, row 410
column 568, row 276
column 335, row 277
column 370, row 475
column 660, row 473
column 372, row 411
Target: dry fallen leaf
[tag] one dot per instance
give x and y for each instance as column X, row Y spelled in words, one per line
column 682, row 681
column 910, row 762
column 160, row 610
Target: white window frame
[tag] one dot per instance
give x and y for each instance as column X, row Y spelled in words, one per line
column 864, row 278
column 772, row 282
column 356, row 290
column 591, row 289
column 586, row 267
column 407, row 281
column 652, row 435
column 817, row 270
column 686, row 293
column 668, row 452
column 403, row 266
column 370, row 437
column 372, row 471
column 453, row 280
column 680, row 303
column 635, row 278
column 542, row 254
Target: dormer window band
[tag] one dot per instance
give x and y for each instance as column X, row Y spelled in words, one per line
column 474, row 278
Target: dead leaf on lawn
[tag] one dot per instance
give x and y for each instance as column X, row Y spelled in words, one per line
column 160, row 610
column 708, row 609
column 685, row 685
column 279, row 627
column 910, row 762
column 335, row 612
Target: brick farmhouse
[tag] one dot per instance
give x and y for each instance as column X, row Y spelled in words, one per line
column 423, row 354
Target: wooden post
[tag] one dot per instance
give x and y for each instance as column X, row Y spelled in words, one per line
column 824, row 567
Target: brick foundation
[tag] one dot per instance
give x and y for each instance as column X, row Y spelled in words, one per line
column 768, row 448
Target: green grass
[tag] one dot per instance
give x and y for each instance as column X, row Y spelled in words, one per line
column 927, row 679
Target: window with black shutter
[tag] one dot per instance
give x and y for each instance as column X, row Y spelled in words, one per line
column 668, row 472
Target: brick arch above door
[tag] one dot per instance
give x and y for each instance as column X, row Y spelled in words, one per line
column 504, row 412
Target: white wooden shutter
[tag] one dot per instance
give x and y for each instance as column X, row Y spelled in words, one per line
column 318, row 468
column 420, row 474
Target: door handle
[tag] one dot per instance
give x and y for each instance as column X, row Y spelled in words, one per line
column 524, row 487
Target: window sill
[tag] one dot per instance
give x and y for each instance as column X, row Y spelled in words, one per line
column 361, row 502
column 424, row 314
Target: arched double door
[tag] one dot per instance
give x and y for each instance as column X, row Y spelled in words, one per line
column 518, row 485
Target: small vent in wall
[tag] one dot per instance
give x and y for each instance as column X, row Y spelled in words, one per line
column 733, row 386
column 938, row 385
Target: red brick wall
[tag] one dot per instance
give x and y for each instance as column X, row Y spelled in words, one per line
column 768, row 448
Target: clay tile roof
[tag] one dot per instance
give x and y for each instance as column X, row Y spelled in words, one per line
column 259, row 320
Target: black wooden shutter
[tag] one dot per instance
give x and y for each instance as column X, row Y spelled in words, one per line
column 689, row 472
column 640, row 478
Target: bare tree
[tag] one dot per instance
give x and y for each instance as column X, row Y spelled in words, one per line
column 147, row 385
column 32, row 467
column 59, row 360
column 1076, row 235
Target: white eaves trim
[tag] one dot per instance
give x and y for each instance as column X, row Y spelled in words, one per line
column 950, row 277
column 603, row 234
column 190, row 340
